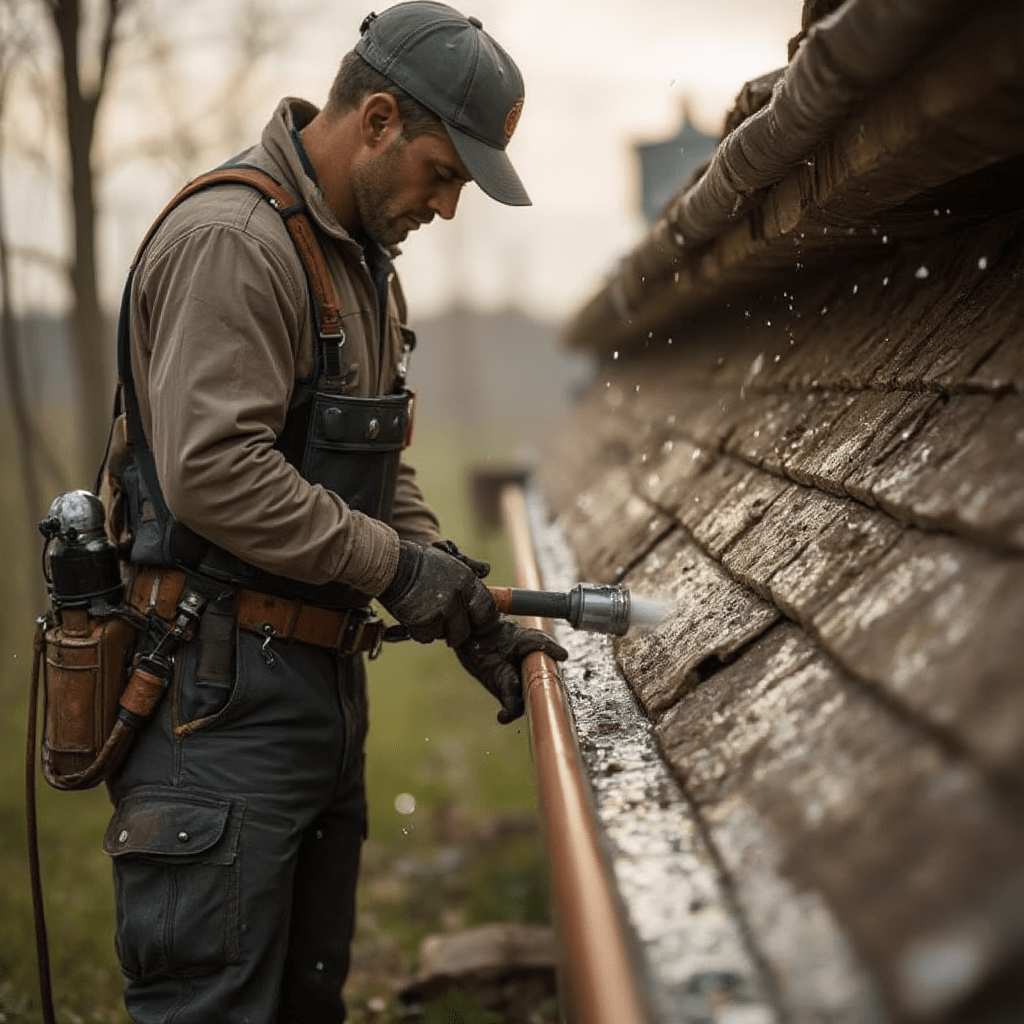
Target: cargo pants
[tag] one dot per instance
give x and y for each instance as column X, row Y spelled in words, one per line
column 236, row 836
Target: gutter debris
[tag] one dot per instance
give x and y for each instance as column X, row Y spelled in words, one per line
column 696, row 964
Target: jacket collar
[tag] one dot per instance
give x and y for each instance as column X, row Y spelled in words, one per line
column 282, row 144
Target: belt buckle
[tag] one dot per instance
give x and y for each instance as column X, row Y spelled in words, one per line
column 363, row 626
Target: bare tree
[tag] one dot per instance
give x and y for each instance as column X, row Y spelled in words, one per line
column 90, row 353
column 33, row 455
column 202, row 126
column 87, row 36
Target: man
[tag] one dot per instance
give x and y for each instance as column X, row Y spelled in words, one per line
column 266, row 413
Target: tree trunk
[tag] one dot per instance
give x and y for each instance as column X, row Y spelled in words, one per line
column 24, row 430
column 91, row 350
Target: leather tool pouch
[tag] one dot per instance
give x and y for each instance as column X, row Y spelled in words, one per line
column 103, row 679
column 85, row 670
column 105, row 666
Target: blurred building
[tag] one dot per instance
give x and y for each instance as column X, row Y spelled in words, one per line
column 666, row 166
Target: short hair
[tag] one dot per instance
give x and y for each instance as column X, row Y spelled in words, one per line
column 356, row 80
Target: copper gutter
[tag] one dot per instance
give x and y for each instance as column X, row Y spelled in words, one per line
column 596, row 962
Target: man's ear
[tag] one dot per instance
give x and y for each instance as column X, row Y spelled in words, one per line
column 379, row 119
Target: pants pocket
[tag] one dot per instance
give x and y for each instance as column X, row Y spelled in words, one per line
column 175, row 856
column 205, row 681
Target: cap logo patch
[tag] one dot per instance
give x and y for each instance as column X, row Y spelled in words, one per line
column 512, row 118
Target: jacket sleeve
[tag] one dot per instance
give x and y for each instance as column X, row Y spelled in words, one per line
column 220, row 313
column 412, row 517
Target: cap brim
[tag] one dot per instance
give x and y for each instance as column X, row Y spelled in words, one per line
column 491, row 168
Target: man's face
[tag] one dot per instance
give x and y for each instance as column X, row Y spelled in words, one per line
column 405, row 184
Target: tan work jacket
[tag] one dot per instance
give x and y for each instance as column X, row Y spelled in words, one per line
column 221, row 329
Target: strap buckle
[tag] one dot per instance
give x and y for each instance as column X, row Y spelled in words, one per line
column 364, row 632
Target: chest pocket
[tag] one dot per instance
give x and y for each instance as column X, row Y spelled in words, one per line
column 354, row 448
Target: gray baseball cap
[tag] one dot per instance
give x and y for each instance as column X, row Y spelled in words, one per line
column 449, row 64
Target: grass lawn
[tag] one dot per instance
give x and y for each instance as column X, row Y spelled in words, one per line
column 460, row 847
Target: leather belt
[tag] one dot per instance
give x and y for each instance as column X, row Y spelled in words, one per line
column 352, row 631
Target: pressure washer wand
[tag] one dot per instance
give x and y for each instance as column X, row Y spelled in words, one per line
column 595, row 607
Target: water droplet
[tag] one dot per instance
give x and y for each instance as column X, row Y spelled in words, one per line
column 677, row 237
column 677, row 277
column 855, row 289
column 885, row 239
column 982, row 262
column 885, row 281
column 636, row 388
column 405, row 803
column 824, row 310
column 921, row 273
column 746, row 312
column 696, row 454
column 615, row 355
column 757, row 365
column 767, row 323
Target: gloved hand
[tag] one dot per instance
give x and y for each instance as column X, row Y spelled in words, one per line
column 494, row 656
column 435, row 596
column 480, row 569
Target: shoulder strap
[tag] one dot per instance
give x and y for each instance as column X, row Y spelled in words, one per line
column 296, row 220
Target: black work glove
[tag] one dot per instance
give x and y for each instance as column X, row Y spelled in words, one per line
column 437, row 596
column 480, row 569
column 494, row 656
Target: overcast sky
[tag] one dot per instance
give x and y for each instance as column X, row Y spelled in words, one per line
column 599, row 78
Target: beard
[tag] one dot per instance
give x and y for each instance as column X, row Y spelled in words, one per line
column 373, row 187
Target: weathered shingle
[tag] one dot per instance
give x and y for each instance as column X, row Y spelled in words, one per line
column 807, row 434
